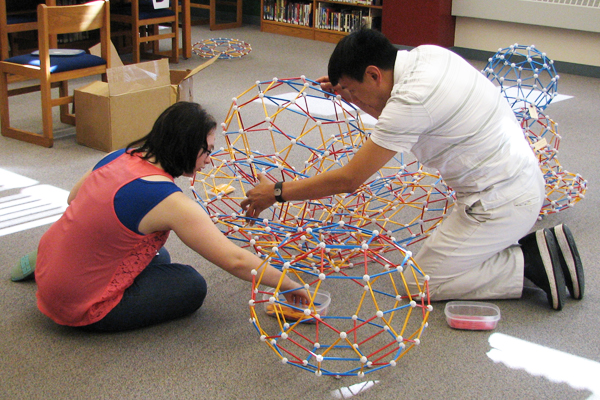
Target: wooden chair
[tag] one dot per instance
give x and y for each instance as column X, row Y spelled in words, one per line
column 144, row 21
column 55, row 70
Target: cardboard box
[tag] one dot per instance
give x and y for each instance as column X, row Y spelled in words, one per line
column 115, row 60
column 110, row 115
column 182, row 81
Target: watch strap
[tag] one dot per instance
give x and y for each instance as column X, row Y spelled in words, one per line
column 279, row 192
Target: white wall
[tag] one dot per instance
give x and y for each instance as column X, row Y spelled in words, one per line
column 565, row 32
column 566, row 45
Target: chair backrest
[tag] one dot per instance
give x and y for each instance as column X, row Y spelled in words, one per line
column 75, row 18
column 54, row 20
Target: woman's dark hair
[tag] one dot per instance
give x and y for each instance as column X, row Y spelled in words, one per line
column 176, row 138
column 355, row 52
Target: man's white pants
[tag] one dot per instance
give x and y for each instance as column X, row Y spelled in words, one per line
column 474, row 253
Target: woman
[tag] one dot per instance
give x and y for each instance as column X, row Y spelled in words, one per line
column 103, row 266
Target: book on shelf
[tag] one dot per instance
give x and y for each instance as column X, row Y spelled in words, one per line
column 340, row 20
column 361, row 2
column 291, row 12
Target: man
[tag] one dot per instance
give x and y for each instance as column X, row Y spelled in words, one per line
column 431, row 102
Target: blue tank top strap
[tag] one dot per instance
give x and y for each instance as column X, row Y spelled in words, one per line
column 135, row 199
column 108, row 158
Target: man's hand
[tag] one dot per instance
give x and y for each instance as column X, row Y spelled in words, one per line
column 259, row 198
column 326, row 84
column 334, row 90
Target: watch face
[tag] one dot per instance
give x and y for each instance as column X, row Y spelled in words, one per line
column 277, row 192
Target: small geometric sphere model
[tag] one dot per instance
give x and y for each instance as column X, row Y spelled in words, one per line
column 348, row 246
column 223, row 47
column 563, row 189
column 540, row 131
column 525, row 75
column 528, row 81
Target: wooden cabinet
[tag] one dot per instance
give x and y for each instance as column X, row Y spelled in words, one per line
column 325, row 20
column 412, row 23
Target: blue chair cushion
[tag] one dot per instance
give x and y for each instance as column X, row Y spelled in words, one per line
column 60, row 63
column 20, row 18
column 147, row 10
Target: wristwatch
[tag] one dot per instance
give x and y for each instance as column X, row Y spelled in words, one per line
column 278, row 191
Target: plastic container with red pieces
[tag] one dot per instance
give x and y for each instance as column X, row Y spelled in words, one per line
column 472, row 315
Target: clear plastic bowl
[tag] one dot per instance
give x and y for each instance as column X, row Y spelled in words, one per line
column 472, row 315
column 321, row 306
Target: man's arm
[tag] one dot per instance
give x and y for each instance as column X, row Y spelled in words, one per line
column 367, row 161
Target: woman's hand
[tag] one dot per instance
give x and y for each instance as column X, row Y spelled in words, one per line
column 296, row 297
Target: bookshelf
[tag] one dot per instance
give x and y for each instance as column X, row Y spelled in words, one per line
column 324, row 20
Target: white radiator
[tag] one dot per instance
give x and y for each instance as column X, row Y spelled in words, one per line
column 583, row 15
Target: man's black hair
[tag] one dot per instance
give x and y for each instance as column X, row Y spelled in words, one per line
column 355, row 52
column 177, row 137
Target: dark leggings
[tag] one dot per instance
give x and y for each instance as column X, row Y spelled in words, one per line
column 162, row 292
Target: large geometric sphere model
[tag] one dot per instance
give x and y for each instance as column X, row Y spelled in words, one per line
column 373, row 319
column 286, row 129
column 525, row 75
column 348, row 245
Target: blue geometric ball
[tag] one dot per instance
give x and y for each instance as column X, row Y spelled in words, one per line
column 525, row 76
